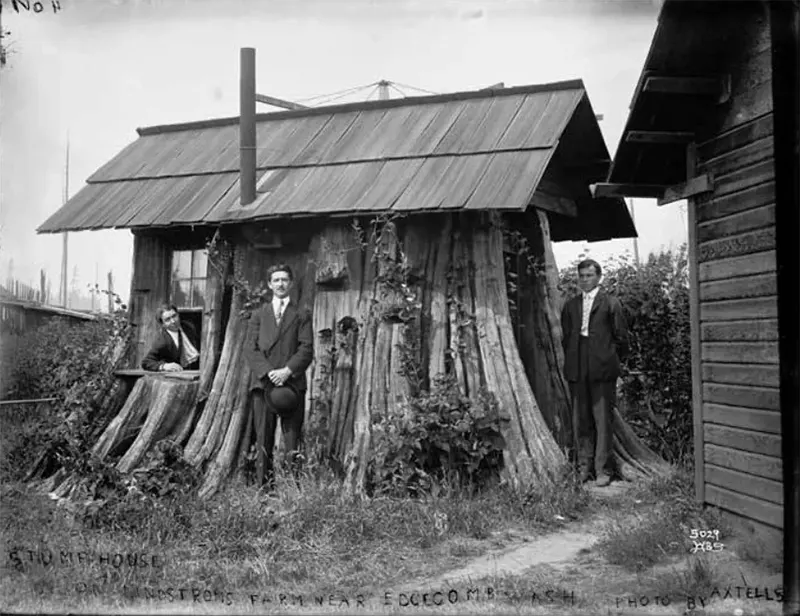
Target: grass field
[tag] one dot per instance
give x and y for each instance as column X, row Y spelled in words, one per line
column 308, row 550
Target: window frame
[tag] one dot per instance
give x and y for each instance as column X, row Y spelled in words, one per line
column 175, row 278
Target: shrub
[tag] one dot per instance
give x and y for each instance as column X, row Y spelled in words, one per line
column 73, row 363
column 656, row 394
column 155, row 497
column 56, row 356
column 438, row 436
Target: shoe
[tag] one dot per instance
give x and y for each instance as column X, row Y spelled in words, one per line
column 602, row 480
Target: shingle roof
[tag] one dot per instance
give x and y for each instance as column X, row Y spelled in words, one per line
column 471, row 150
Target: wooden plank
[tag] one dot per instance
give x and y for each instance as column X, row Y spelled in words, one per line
column 759, row 285
column 550, row 124
column 755, row 330
column 746, row 506
column 757, row 464
column 748, row 104
column 464, row 179
column 745, row 243
column 740, row 136
column 500, row 114
column 717, row 207
column 737, row 481
column 759, row 420
column 695, row 186
column 278, row 102
column 510, row 180
column 560, row 205
column 746, row 265
column 697, row 86
column 522, row 127
column 745, row 156
column 390, row 182
column 737, row 309
column 758, row 218
column 767, row 398
column 551, row 203
column 604, row 189
column 694, row 334
column 468, row 124
column 745, row 178
column 659, row 137
column 763, row 375
column 351, row 145
column 740, row 352
column 744, row 440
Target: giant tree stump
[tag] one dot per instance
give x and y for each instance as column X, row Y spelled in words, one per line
column 392, row 311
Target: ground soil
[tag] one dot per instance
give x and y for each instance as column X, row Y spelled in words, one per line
column 558, row 572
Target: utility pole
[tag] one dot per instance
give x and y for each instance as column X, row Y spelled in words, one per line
column 110, row 290
column 65, row 237
column 635, row 239
column 96, row 287
column 383, row 90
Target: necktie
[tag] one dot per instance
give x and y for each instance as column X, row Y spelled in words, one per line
column 280, row 312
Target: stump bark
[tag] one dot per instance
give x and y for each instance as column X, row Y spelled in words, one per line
column 416, row 299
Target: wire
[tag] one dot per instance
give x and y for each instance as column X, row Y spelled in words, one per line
column 394, row 87
column 414, row 88
column 342, row 95
column 325, row 99
column 371, row 94
column 347, row 91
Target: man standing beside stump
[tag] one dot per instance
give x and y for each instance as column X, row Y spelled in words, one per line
column 595, row 340
column 279, row 349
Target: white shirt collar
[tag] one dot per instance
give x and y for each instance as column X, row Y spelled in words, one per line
column 591, row 294
column 276, row 301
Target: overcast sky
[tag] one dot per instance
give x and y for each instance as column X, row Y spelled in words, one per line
column 98, row 69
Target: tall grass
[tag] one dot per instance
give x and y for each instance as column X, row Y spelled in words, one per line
column 308, row 538
column 661, row 528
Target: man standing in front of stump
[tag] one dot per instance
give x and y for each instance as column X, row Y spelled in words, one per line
column 279, row 349
column 595, row 339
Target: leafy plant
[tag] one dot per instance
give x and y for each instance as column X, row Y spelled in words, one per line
column 73, row 363
column 436, row 436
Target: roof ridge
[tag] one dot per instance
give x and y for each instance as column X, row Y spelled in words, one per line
column 571, row 84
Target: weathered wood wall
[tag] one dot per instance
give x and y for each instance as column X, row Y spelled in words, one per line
column 734, row 250
column 152, row 255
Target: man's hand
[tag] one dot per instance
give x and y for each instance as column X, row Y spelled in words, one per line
column 171, row 367
column 279, row 377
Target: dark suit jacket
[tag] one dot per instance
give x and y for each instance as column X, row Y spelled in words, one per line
column 271, row 347
column 164, row 350
column 608, row 337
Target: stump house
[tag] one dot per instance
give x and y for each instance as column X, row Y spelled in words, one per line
column 471, row 188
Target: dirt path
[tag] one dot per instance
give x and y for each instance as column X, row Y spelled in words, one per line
column 556, row 550
column 524, row 550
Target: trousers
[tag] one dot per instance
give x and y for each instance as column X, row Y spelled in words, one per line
column 591, row 416
column 265, row 421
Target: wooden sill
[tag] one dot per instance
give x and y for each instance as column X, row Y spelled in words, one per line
column 135, row 373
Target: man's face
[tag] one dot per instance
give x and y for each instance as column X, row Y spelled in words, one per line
column 280, row 283
column 588, row 279
column 171, row 320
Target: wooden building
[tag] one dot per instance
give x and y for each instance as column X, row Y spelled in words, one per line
column 461, row 182
column 701, row 127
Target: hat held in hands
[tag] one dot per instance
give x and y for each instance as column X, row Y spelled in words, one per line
column 284, row 398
